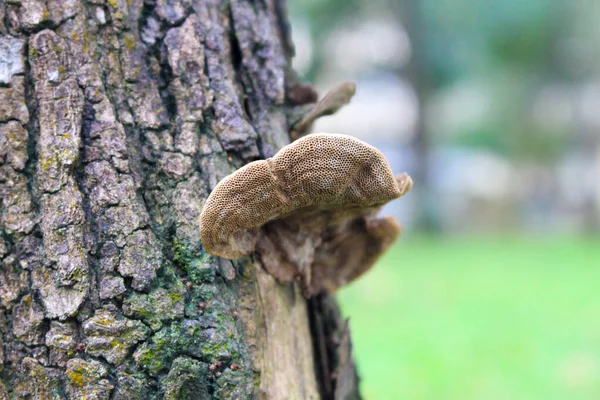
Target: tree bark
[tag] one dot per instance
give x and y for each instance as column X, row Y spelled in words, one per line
column 117, row 118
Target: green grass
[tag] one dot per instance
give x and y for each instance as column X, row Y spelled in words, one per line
column 479, row 318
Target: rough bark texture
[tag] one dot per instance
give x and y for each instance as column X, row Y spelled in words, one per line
column 117, row 118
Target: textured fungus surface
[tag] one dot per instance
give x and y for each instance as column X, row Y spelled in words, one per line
column 307, row 210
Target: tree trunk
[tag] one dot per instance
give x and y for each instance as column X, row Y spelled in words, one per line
column 417, row 71
column 117, row 118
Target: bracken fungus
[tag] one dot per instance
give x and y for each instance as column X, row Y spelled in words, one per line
column 309, row 212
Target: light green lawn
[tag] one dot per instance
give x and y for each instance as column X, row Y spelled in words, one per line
column 479, row 318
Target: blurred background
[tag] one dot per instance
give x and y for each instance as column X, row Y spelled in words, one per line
column 493, row 107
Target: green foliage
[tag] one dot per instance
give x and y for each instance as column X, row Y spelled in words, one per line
column 463, row 38
column 485, row 318
column 517, row 142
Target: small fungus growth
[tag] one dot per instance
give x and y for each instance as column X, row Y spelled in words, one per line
column 333, row 100
column 309, row 212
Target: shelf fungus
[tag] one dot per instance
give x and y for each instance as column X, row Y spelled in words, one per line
column 309, row 212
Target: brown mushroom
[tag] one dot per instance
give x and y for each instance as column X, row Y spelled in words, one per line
column 309, row 212
column 333, row 100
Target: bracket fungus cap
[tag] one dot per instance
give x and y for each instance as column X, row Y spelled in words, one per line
column 313, row 193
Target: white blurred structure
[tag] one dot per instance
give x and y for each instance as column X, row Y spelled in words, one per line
column 367, row 44
column 384, row 108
